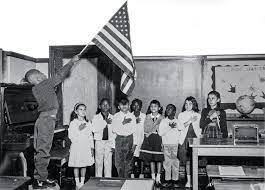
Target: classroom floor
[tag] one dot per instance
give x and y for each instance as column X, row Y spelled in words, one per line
column 70, row 186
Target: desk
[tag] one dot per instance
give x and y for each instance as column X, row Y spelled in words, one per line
column 13, row 182
column 220, row 147
column 241, row 185
column 117, row 184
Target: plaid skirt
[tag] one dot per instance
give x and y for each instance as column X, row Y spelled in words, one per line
column 151, row 149
column 212, row 130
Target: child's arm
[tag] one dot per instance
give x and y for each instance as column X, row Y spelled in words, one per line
column 223, row 124
column 164, row 128
column 72, row 132
column 65, row 71
column 205, row 120
column 196, row 126
column 96, row 124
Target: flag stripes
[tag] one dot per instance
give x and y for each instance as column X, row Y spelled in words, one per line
column 114, row 41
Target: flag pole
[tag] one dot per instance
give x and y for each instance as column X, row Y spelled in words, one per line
column 84, row 49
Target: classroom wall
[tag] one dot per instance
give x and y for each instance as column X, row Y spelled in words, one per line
column 167, row 79
column 43, row 67
column 81, row 86
column 15, row 68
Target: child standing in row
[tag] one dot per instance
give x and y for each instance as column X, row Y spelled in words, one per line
column 82, row 144
column 136, row 107
column 151, row 149
column 104, row 139
column 124, row 125
column 169, row 129
column 213, row 120
column 189, row 118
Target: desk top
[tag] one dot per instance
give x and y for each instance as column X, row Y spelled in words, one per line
column 225, row 143
column 118, row 184
column 235, row 185
column 252, row 172
column 12, row 182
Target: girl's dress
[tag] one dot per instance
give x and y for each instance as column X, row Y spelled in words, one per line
column 216, row 128
column 81, row 144
column 151, row 149
column 192, row 131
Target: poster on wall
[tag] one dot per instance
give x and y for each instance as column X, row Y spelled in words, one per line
column 235, row 81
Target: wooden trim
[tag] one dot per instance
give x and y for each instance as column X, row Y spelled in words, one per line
column 162, row 58
column 20, row 56
column 235, row 57
column 1, row 101
column 42, row 60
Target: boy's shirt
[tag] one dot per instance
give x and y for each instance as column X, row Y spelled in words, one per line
column 98, row 125
column 127, row 129
column 169, row 135
column 44, row 92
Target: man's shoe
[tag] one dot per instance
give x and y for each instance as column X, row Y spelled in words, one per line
column 37, row 184
column 49, row 183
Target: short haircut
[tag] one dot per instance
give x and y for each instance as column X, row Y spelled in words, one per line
column 124, row 101
column 31, row 72
column 217, row 94
column 138, row 101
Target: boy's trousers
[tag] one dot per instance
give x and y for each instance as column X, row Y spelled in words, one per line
column 124, row 155
column 43, row 136
column 103, row 155
column 171, row 162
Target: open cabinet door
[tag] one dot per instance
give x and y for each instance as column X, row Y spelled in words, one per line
column 93, row 78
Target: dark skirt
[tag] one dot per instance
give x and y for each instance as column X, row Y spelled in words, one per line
column 151, row 149
column 184, row 151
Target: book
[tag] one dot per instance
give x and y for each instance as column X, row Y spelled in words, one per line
column 231, row 171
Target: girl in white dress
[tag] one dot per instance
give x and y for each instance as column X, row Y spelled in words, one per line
column 82, row 144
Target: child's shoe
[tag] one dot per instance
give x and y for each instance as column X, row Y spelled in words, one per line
column 166, row 184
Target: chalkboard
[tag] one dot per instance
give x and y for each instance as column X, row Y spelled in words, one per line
column 169, row 80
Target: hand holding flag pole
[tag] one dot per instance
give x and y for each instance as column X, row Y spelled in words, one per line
column 83, row 50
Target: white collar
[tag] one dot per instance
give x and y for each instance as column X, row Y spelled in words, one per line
column 152, row 116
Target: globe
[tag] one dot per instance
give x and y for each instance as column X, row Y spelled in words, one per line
column 245, row 105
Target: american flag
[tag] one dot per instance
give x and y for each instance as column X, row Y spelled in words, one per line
column 114, row 41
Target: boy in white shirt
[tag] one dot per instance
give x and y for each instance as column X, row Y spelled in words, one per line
column 169, row 130
column 104, row 139
column 124, row 125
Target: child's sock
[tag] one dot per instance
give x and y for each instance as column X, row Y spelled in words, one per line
column 188, row 184
column 77, row 182
column 153, row 176
column 158, row 178
column 82, row 180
